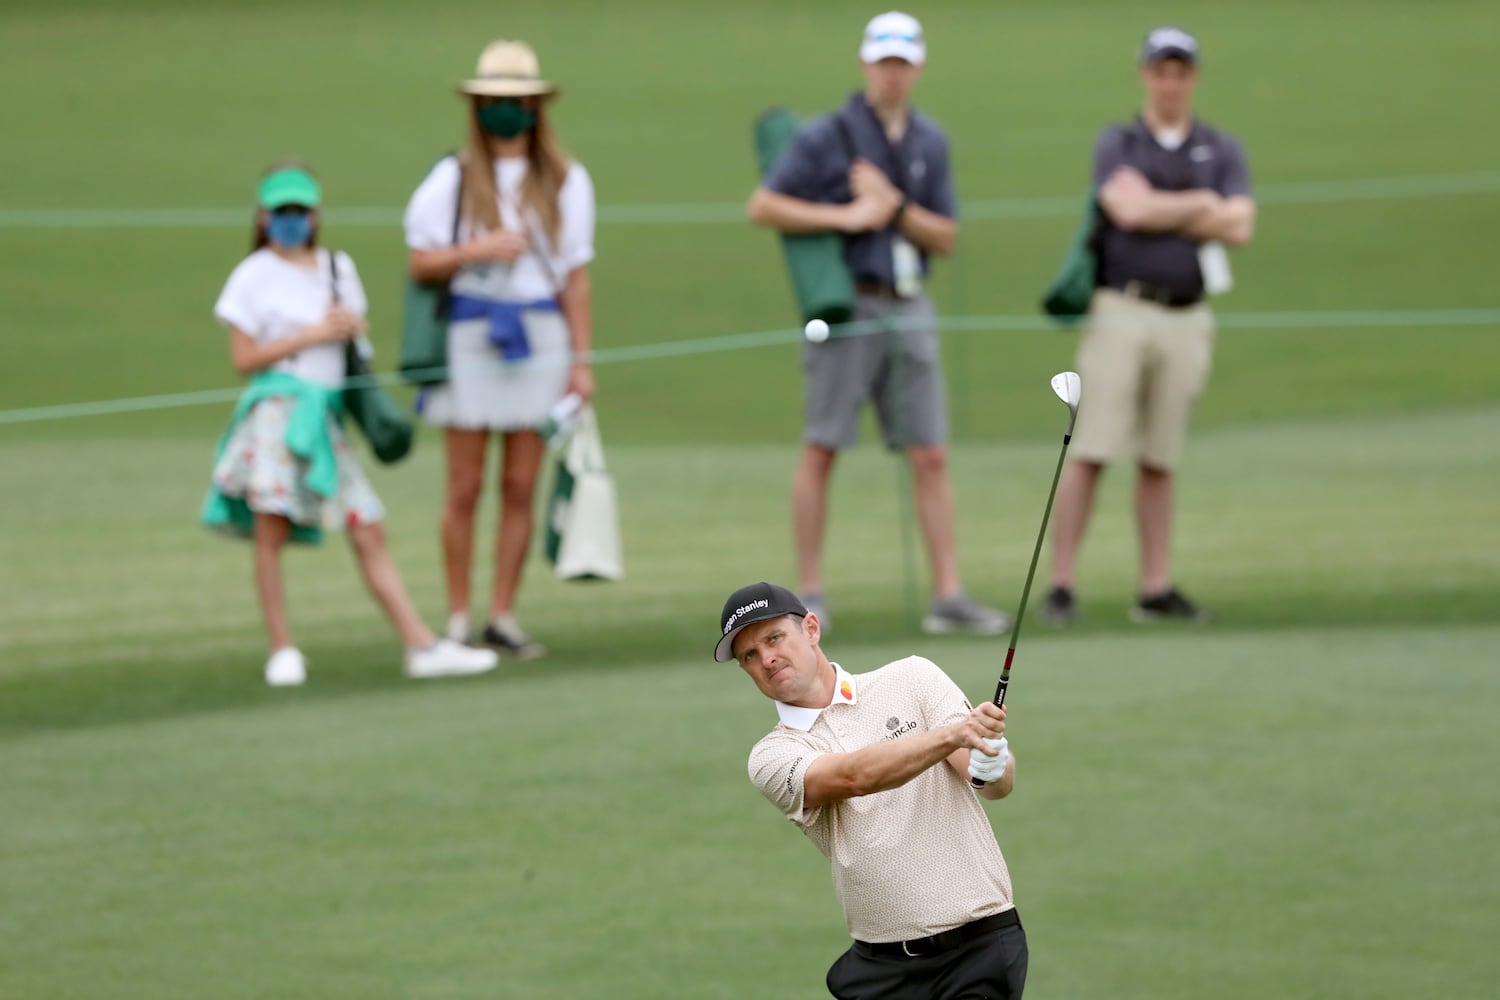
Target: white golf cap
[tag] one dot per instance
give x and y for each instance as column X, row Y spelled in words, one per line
column 893, row 34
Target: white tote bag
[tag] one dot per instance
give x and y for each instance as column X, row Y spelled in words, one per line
column 583, row 516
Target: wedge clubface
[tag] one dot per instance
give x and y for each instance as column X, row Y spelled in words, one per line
column 1069, row 389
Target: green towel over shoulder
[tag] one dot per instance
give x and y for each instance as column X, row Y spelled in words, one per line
column 1072, row 288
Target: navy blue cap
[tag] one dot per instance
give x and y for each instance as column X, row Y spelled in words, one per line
column 1169, row 43
column 756, row 603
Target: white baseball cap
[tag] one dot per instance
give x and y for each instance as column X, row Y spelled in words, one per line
column 893, row 34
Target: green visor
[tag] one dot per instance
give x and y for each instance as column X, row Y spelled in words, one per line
column 289, row 186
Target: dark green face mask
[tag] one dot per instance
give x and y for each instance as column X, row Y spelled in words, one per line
column 506, row 119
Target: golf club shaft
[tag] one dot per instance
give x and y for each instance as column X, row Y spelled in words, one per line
column 1015, row 628
column 1036, row 552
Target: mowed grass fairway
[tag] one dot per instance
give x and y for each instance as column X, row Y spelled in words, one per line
column 1298, row 801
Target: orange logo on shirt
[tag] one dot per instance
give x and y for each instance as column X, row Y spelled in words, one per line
column 846, row 691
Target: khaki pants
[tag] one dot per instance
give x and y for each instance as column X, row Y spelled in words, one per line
column 1142, row 366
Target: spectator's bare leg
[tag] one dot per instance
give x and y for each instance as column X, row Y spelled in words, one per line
column 271, row 534
column 379, row 572
column 466, row 457
column 809, row 514
column 520, row 467
column 1070, row 516
column 1153, row 519
column 934, row 497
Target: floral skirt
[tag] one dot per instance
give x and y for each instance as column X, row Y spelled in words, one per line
column 257, row 467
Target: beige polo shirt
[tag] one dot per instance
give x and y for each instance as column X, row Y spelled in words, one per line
column 908, row 862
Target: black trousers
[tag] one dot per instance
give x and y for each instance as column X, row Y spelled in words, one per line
column 991, row 967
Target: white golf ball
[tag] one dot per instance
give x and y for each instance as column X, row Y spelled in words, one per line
column 816, row 331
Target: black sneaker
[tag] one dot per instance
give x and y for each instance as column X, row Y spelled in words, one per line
column 1170, row 605
column 511, row 643
column 1059, row 607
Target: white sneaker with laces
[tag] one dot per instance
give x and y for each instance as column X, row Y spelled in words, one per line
column 446, row 658
column 287, row 667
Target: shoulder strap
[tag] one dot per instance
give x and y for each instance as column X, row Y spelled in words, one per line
column 846, row 137
column 333, row 273
column 541, row 247
column 458, row 201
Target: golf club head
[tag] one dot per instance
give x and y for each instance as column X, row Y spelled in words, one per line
column 1069, row 389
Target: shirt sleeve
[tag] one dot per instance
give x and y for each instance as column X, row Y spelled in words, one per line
column 351, row 289
column 236, row 305
column 577, row 203
column 1234, row 176
column 941, row 198
column 1109, row 153
column 778, row 764
column 942, row 702
column 429, row 213
column 797, row 170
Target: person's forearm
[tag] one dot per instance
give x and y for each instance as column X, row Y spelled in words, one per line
column 927, row 229
column 793, row 215
column 1232, row 221
column 250, row 356
column 889, row 764
column 576, row 301
column 436, row 267
column 1158, row 211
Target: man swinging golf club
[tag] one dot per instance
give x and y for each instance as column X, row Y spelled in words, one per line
column 875, row 769
column 872, row 768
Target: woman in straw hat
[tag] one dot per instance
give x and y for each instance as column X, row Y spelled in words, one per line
column 284, row 470
column 508, row 225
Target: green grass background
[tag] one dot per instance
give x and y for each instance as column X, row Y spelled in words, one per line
column 1296, row 802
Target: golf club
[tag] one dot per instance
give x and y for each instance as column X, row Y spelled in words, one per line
column 1069, row 389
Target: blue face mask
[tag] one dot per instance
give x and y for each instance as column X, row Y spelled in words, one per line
column 289, row 229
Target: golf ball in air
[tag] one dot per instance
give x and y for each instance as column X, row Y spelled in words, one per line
column 816, row 331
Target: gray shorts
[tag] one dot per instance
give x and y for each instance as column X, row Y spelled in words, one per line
column 900, row 370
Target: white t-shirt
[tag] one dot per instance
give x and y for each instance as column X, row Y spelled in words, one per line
column 429, row 226
column 269, row 298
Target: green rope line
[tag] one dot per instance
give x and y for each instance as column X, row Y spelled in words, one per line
column 723, row 213
column 1324, row 320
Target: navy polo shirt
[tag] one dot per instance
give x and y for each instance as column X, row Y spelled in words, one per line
column 815, row 167
column 1206, row 159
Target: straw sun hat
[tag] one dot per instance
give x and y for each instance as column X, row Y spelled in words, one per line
column 508, row 69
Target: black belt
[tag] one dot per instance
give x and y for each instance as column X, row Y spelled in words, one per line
column 1147, row 292
column 946, row 941
column 879, row 289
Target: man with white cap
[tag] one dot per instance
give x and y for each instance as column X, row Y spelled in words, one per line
column 877, row 172
column 876, row 768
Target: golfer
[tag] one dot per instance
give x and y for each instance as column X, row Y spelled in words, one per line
column 874, row 768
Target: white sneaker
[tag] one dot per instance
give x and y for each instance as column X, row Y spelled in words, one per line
column 446, row 658
column 286, row 668
column 458, row 627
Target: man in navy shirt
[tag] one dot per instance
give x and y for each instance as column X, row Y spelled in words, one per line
column 877, row 171
column 1174, row 192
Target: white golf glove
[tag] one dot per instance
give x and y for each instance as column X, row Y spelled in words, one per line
column 987, row 768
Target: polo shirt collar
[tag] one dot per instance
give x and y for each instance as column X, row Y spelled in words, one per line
column 844, row 693
column 1145, row 130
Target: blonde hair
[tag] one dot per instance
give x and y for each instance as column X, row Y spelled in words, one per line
column 546, row 169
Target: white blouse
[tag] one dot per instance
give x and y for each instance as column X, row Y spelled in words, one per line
column 270, row 298
column 429, row 226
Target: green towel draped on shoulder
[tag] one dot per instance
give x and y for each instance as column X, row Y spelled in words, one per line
column 307, row 438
